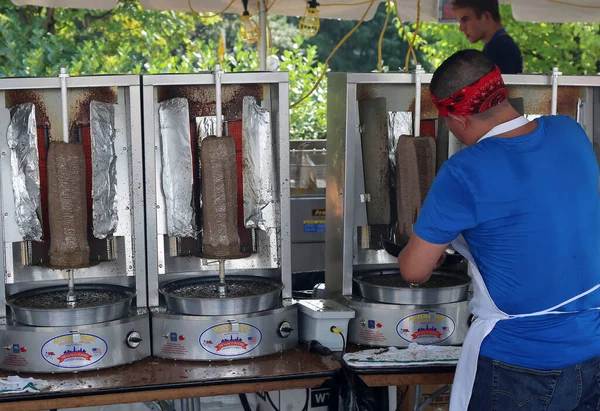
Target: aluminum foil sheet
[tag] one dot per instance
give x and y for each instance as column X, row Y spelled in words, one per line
column 177, row 170
column 206, row 126
column 25, row 170
column 104, row 172
column 259, row 169
column 399, row 123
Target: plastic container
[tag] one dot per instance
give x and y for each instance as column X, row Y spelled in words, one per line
column 318, row 316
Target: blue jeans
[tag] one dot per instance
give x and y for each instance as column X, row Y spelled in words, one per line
column 503, row 387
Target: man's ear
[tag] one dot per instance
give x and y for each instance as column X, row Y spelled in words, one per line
column 460, row 121
column 487, row 16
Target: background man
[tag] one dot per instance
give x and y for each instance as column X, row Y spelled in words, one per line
column 480, row 21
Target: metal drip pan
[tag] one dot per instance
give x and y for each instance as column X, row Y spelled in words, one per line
column 48, row 306
column 199, row 295
column 387, row 286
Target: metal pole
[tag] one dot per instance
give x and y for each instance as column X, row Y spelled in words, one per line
column 63, row 97
column 555, row 74
column 262, row 48
column 418, row 393
column 418, row 72
column 222, row 287
column 218, row 102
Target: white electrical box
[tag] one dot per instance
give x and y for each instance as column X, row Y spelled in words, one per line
column 318, row 316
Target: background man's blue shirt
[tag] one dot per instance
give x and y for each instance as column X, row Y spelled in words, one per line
column 503, row 51
column 529, row 209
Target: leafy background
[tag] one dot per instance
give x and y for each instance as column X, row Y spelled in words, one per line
column 37, row 41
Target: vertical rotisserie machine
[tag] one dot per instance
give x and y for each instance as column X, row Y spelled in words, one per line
column 218, row 215
column 72, row 214
column 378, row 175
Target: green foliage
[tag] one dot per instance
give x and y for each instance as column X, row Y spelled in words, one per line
column 308, row 120
column 131, row 40
column 573, row 47
column 359, row 52
column 126, row 39
column 36, row 41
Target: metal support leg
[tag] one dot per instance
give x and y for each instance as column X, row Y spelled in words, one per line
column 418, row 393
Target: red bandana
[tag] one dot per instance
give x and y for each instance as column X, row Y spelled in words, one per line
column 477, row 97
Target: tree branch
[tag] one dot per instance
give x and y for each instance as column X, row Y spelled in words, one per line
column 533, row 54
column 48, row 24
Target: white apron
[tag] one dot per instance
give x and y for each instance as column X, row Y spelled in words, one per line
column 485, row 310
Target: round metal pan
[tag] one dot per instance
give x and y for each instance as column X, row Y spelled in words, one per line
column 198, row 296
column 47, row 306
column 387, row 286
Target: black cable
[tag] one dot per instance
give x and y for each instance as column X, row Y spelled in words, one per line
column 245, row 403
column 305, row 408
column 336, row 330
column 271, row 401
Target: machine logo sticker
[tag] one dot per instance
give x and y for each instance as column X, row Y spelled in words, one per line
column 230, row 340
column 64, row 351
column 426, row 328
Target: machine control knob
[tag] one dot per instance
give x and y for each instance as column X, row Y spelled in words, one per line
column 133, row 339
column 285, row 329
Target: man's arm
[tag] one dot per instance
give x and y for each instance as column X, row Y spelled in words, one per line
column 448, row 210
column 419, row 258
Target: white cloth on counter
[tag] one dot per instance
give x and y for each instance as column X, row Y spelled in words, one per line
column 414, row 356
column 15, row 384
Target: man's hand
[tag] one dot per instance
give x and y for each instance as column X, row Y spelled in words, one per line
column 419, row 258
column 441, row 260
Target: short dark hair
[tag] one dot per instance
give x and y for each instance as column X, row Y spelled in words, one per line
column 459, row 70
column 479, row 7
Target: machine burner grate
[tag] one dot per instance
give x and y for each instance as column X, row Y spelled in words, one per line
column 235, row 289
column 57, row 300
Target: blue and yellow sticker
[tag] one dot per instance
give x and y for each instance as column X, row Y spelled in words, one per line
column 314, row 226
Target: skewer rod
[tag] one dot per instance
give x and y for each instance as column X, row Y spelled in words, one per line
column 555, row 74
column 218, row 101
column 63, row 98
column 71, row 296
column 262, row 23
column 221, row 271
column 418, row 73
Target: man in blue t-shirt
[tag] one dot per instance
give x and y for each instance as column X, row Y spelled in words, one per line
column 480, row 21
column 524, row 196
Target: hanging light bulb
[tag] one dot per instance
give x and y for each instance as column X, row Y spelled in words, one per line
column 310, row 22
column 248, row 28
column 221, row 49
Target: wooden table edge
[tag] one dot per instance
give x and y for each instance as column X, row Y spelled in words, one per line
column 160, row 393
column 390, row 380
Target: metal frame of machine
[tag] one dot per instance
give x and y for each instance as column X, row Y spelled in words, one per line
column 181, row 336
column 106, row 344
column 379, row 324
